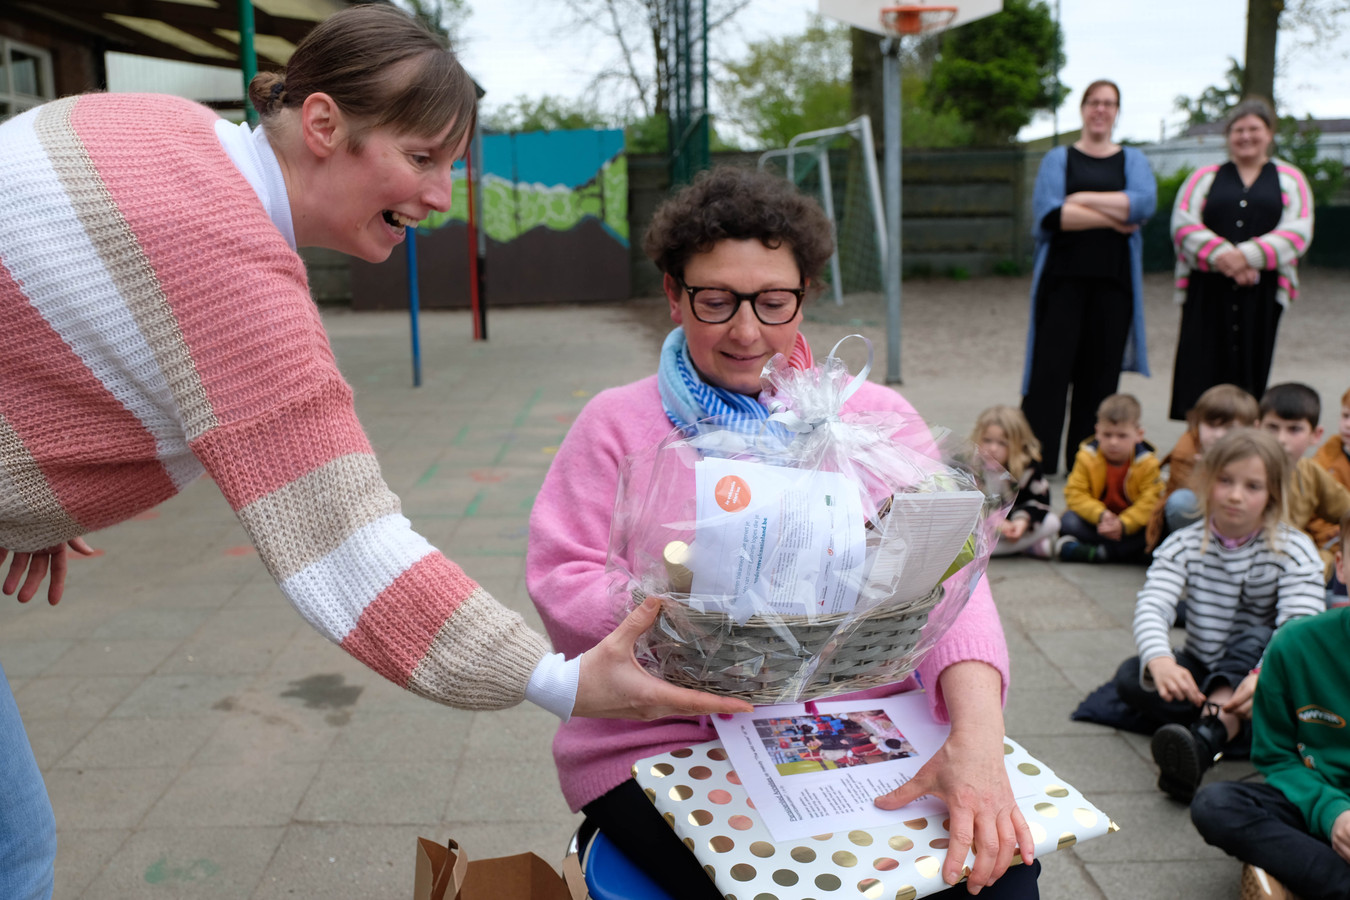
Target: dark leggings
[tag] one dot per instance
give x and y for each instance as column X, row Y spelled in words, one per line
column 1241, row 654
column 1130, row 547
column 632, row 824
column 1258, row 825
column 1082, row 325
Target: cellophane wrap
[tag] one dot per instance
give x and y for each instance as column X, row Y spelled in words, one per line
column 782, row 627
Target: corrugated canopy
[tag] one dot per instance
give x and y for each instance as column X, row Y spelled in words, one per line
column 200, row 31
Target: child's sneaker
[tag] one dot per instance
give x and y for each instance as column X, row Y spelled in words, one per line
column 1258, row 885
column 1041, row 549
column 1069, row 550
column 1183, row 754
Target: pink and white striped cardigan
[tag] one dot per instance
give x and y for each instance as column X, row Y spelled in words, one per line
column 154, row 325
column 1278, row 249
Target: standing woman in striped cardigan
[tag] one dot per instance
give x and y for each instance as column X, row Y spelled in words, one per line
column 1239, row 229
column 156, row 325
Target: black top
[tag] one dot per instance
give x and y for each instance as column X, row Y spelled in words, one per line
column 1236, row 212
column 1096, row 252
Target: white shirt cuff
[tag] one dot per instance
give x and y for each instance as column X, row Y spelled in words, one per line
column 553, row 685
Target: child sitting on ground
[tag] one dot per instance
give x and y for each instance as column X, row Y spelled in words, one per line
column 1112, row 489
column 1004, row 434
column 1222, row 407
column 1334, row 456
column 1242, row 573
column 1294, row 830
column 1290, row 412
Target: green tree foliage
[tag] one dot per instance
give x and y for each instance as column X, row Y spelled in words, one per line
column 547, row 113
column 923, row 128
column 1214, row 102
column 996, row 72
column 785, row 86
column 1297, row 142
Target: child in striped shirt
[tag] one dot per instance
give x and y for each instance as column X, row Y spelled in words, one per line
column 1242, row 573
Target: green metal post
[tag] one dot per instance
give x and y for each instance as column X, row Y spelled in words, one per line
column 248, row 56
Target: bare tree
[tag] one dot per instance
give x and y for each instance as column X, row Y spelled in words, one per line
column 641, row 31
column 1311, row 24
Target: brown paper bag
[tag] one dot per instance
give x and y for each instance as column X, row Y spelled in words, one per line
column 444, row 873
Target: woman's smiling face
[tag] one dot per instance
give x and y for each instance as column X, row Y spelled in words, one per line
column 395, row 180
column 732, row 354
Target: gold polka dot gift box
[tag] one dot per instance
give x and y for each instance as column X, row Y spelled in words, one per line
column 700, row 796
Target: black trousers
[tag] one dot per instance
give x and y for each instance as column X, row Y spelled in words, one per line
column 632, row 823
column 1130, row 548
column 1241, row 654
column 1227, row 337
column 1082, row 325
column 1258, row 825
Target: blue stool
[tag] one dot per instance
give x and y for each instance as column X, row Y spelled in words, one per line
column 610, row 875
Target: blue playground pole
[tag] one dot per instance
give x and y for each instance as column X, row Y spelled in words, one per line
column 413, row 305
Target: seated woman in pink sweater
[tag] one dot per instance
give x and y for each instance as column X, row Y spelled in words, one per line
column 739, row 249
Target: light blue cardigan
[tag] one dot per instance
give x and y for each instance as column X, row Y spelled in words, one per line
column 1141, row 187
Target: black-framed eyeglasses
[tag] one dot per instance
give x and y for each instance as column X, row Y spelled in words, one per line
column 713, row 306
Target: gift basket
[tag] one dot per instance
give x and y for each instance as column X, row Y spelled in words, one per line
column 813, row 553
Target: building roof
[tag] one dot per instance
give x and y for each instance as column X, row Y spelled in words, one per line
column 200, row 31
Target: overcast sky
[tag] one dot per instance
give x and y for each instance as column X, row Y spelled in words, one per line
column 1155, row 50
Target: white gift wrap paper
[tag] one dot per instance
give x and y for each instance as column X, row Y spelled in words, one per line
column 700, row 797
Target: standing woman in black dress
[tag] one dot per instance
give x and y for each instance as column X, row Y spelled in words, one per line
column 1239, row 229
column 1087, row 300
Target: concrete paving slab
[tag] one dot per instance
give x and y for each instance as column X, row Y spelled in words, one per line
column 372, row 862
column 52, row 739
column 140, row 741
column 216, row 863
column 1166, row 880
column 105, row 797
column 75, row 697
column 180, row 694
column 81, row 853
column 233, row 795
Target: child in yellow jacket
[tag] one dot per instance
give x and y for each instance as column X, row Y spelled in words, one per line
column 1112, row 490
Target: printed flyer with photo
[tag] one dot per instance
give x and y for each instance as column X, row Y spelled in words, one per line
column 819, row 771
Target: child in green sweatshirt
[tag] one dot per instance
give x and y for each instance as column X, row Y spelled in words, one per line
column 1294, row 830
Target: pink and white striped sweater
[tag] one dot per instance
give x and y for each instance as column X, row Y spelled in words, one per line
column 1278, row 249
column 154, row 325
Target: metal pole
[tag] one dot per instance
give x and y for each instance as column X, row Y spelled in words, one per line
column 890, row 76
column 827, row 200
column 480, row 262
column 413, row 305
column 248, row 56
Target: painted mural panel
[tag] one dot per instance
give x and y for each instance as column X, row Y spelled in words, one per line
column 555, row 214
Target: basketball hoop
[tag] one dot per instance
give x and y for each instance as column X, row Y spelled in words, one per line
column 898, row 21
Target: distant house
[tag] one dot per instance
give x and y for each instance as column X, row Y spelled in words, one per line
column 52, row 49
column 1202, row 145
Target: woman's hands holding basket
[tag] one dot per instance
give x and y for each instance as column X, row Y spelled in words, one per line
column 613, row 686
column 968, row 773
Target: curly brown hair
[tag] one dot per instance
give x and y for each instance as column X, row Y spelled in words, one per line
column 734, row 203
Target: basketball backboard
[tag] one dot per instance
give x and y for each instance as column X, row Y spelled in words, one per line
column 866, row 14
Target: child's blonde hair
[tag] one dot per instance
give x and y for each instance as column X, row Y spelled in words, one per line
column 1235, row 446
column 1023, row 447
column 1223, row 404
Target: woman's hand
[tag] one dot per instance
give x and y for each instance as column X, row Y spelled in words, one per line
column 1233, row 264
column 1174, row 681
column 1240, row 704
column 973, row 781
column 36, row 565
column 969, row 774
column 612, row 685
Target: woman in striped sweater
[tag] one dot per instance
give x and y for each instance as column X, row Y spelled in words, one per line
column 156, row 324
column 1242, row 573
column 1239, row 230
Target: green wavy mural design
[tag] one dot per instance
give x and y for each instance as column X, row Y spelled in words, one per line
column 510, row 210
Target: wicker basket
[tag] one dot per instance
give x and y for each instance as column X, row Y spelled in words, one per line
column 760, row 663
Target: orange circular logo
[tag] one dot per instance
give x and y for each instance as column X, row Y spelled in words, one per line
column 732, row 493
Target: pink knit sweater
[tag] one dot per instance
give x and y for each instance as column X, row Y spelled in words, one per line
column 565, row 572
column 154, row 325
